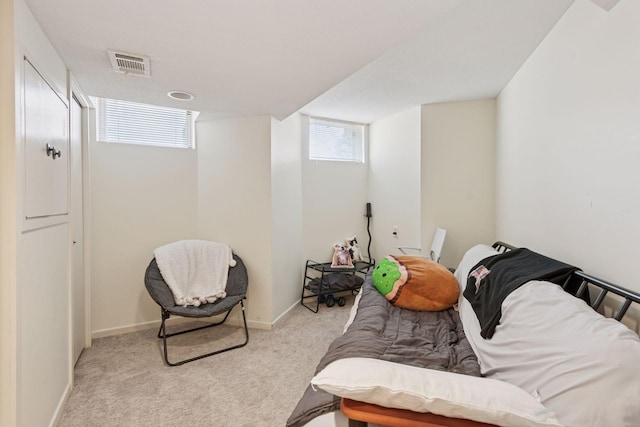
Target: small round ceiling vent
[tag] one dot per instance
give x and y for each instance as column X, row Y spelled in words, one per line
column 180, row 95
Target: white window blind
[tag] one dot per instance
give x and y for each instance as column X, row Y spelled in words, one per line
column 133, row 123
column 333, row 140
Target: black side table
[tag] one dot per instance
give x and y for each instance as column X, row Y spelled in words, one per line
column 315, row 283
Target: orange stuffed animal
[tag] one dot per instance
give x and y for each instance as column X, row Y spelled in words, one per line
column 416, row 283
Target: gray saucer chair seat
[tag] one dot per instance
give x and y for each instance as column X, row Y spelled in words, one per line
column 236, row 289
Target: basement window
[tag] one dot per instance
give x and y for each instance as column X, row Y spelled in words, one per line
column 125, row 122
column 336, row 140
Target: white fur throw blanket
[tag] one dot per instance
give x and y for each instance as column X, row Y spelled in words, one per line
column 195, row 270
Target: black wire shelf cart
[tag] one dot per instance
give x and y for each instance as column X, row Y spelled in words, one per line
column 322, row 282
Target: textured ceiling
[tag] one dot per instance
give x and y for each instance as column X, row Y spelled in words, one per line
column 356, row 60
column 470, row 53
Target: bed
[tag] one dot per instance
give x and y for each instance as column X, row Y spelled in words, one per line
column 550, row 359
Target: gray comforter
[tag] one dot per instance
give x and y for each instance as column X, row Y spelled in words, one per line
column 433, row 340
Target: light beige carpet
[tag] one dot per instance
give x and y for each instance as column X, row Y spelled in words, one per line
column 122, row 381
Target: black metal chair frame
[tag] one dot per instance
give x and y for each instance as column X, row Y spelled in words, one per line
column 162, row 333
column 164, row 298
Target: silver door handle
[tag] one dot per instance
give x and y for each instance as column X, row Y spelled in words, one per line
column 53, row 151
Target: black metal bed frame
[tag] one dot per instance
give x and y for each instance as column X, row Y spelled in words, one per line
column 585, row 280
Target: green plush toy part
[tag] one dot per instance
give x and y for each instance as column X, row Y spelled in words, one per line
column 385, row 275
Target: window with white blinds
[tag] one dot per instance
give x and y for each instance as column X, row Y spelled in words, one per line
column 133, row 123
column 333, row 140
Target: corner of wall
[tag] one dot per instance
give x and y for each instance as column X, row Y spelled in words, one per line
column 235, row 200
column 394, row 181
column 286, row 213
column 458, row 174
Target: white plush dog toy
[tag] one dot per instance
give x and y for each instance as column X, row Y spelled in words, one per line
column 341, row 257
column 354, row 249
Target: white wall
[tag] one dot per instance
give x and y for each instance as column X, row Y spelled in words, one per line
column 434, row 166
column 286, row 213
column 458, row 175
column 234, row 200
column 394, row 182
column 569, row 144
column 334, row 195
column 142, row 197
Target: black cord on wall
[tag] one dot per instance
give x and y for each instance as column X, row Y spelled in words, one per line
column 368, row 215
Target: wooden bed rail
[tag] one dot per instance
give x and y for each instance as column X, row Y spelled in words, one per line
column 360, row 413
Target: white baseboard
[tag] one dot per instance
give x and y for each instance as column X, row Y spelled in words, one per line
column 279, row 318
column 234, row 319
column 101, row 333
column 63, row 401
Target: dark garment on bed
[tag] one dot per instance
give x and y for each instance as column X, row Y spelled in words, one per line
column 495, row 277
column 432, row 340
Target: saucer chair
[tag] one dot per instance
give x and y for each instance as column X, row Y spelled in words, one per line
column 236, row 290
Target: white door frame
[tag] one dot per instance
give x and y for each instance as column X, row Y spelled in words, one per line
column 87, row 108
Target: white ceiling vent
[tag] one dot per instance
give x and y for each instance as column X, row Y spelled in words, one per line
column 130, row 63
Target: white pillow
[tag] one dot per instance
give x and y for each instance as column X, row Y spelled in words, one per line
column 425, row 390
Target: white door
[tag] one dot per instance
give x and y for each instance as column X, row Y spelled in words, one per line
column 46, row 142
column 77, row 260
